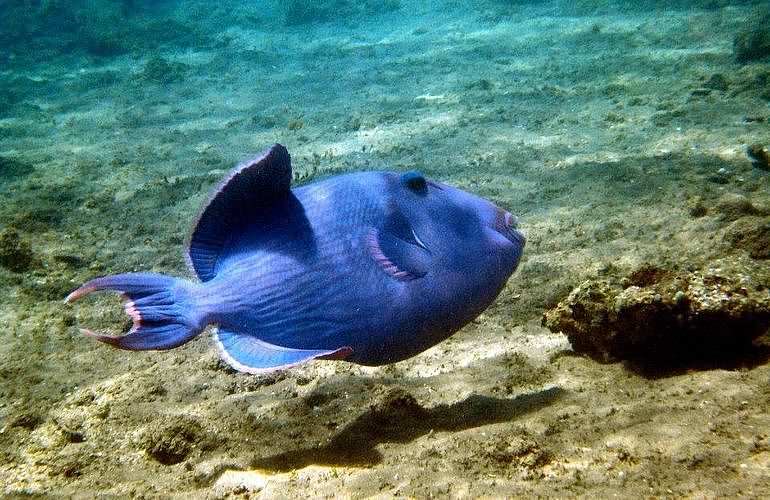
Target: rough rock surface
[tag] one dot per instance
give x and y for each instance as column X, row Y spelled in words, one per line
column 663, row 318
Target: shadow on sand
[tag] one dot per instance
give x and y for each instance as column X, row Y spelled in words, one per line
column 399, row 418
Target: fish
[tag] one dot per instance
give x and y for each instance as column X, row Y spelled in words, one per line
column 366, row 267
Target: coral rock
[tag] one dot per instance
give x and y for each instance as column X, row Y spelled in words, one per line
column 692, row 317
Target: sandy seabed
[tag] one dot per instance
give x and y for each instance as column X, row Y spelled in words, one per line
column 618, row 137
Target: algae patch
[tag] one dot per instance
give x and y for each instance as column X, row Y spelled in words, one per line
column 753, row 42
column 160, row 70
column 13, row 168
column 15, row 253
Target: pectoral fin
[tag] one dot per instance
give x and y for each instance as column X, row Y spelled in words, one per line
column 398, row 250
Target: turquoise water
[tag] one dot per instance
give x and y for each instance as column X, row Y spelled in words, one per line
column 619, row 132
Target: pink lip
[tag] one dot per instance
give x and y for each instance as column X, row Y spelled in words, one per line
column 507, row 224
column 505, row 220
column 511, row 221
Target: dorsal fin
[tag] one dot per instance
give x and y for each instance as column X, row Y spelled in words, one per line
column 250, row 187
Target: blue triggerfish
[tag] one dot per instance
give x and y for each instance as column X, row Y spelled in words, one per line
column 369, row 267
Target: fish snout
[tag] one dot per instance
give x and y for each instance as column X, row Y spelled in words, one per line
column 507, row 224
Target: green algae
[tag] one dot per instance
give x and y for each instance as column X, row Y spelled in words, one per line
column 12, row 168
column 15, row 252
column 160, row 70
column 752, row 43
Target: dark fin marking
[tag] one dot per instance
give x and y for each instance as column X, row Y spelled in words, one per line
column 160, row 309
column 246, row 353
column 251, row 186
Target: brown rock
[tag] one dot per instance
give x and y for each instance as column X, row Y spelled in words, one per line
column 173, row 439
column 751, row 234
column 759, row 156
column 685, row 318
column 696, row 207
column 734, row 206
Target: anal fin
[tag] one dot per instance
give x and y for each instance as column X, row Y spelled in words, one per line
column 246, row 353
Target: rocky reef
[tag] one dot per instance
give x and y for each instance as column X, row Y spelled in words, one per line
column 660, row 319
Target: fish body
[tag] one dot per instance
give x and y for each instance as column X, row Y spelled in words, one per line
column 370, row 267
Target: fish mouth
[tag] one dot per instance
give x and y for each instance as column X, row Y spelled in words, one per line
column 507, row 224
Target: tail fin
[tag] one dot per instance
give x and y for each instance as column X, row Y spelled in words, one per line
column 161, row 307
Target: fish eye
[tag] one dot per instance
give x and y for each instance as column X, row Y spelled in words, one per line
column 416, row 182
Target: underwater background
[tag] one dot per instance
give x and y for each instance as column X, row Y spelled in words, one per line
column 631, row 139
